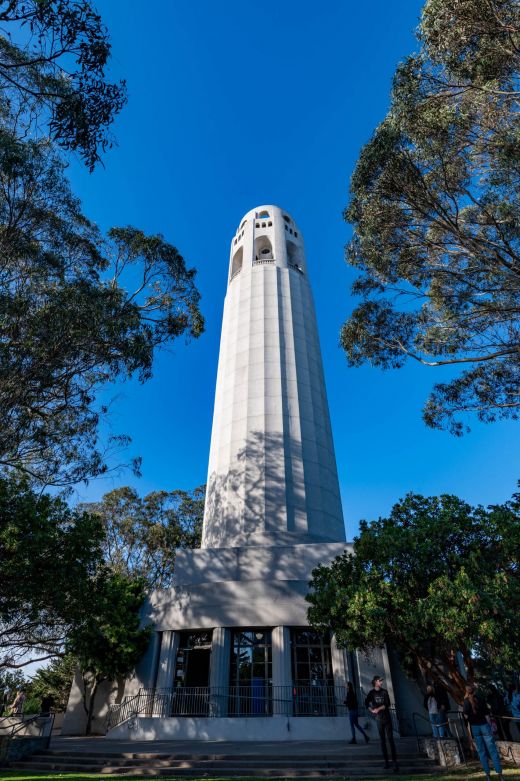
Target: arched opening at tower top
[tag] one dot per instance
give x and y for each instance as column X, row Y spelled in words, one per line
column 294, row 256
column 236, row 265
column 263, row 248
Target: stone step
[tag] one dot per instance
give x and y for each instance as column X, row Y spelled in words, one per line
column 351, row 753
column 256, row 762
column 368, row 770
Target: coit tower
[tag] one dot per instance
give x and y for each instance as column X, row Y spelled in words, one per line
column 272, row 476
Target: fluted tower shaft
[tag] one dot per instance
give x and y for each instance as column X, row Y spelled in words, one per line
column 272, row 476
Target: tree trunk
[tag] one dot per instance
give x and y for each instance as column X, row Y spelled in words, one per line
column 91, row 706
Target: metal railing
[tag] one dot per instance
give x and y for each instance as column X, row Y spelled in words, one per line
column 259, row 699
column 455, row 730
column 508, row 728
column 33, row 725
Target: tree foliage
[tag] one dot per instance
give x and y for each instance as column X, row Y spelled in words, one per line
column 53, row 56
column 77, row 311
column 48, row 556
column 435, row 579
column 436, row 215
column 142, row 534
column 53, row 681
column 109, row 641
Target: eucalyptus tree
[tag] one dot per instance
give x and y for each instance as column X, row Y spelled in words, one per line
column 78, row 311
column 142, row 534
column 53, row 60
column 436, row 216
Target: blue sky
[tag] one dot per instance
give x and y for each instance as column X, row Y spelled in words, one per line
column 232, row 105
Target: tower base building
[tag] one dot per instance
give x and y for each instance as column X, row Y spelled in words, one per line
column 232, row 655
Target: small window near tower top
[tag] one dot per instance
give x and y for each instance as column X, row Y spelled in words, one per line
column 295, row 234
column 263, row 214
column 286, row 218
column 269, row 224
column 263, row 225
column 266, row 251
column 257, row 224
column 242, row 225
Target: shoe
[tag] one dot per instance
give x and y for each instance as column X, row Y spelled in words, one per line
column 396, row 767
column 353, row 741
column 367, row 739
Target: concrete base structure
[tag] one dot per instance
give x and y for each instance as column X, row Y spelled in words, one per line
column 277, row 728
column 220, row 590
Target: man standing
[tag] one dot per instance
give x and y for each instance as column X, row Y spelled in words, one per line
column 378, row 703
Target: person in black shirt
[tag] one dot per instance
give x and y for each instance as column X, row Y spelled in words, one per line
column 378, row 703
column 476, row 713
column 352, row 706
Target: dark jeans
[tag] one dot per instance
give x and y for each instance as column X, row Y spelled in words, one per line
column 385, row 733
column 353, row 718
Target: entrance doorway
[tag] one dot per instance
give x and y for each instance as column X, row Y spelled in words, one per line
column 191, row 683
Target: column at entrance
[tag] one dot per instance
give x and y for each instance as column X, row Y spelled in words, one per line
column 167, row 655
column 339, row 664
column 282, row 674
column 219, row 671
column 338, row 658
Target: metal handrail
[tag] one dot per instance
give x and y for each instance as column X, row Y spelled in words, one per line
column 21, row 722
column 415, row 716
column 506, row 719
column 452, row 727
column 259, row 699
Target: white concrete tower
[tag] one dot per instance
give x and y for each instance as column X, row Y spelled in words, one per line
column 272, row 476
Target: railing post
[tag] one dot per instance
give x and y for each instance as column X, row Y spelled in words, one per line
column 282, row 678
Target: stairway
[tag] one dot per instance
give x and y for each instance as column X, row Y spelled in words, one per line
column 354, row 762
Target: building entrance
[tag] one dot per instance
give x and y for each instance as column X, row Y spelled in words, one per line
column 191, row 682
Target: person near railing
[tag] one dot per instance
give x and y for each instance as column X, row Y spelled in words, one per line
column 16, row 707
column 352, row 706
column 498, row 709
column 46, row 704
column 476, row 713
column 515, row 706
column 437, row 720
column 378, row 703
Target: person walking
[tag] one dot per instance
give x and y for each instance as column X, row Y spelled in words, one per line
column 378, row 703
column 476, row 713
column 352, row 707
column 434, row 712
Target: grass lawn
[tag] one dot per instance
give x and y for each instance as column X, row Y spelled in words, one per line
column 512, row 774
